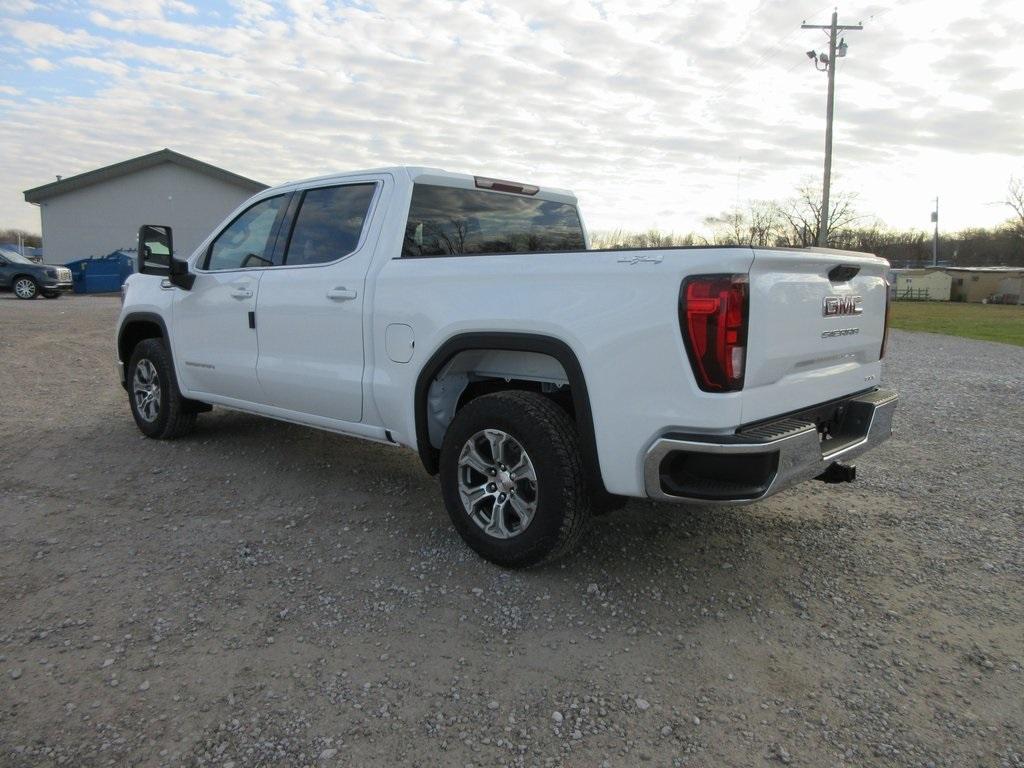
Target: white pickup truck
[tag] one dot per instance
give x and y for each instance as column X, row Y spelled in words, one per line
column 466, row 318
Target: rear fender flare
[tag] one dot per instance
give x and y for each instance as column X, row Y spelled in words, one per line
column 514, row 342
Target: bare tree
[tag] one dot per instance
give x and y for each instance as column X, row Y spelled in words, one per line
column 652, row 238
column 1015, row 200
column 727, row 228
column 765, row 226
column 759, row 225
column 802, row 214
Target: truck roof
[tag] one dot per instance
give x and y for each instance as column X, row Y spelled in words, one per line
column 428, row 175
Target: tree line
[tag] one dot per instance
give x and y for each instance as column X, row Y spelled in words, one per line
column 27, row 238
column 794, row 223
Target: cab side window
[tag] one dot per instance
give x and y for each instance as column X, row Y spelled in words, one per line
column 248, row 241
column 329, row 223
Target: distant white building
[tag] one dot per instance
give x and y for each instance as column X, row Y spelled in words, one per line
column 929, row 283
column 95, row 213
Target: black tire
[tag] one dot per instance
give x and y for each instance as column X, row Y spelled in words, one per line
column 173, row 418
column 51, row 295
column 30, row 290
column 550, row 439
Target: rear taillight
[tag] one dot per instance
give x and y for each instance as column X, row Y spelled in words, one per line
column 713, row 312
column 885, row 331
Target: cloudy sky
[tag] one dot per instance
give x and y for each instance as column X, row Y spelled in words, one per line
column 657, row 114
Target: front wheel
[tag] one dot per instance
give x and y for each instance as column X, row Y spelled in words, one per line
column 512, row 479
column 159, row 409
column 26, row 288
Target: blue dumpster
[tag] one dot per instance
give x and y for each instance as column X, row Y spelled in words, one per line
column 103, row 274
column 77, row 274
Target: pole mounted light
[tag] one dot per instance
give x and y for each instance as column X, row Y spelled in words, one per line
column 827, row 63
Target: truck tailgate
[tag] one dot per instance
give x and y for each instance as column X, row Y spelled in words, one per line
column 816, row 324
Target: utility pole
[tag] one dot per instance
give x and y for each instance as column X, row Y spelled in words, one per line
column 935, row 237
column 835, row 49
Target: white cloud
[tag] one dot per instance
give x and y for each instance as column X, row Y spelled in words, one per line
column 657, row 114
column 39, row 64
column 19, row 7
column 36, row 35
column 181, row 7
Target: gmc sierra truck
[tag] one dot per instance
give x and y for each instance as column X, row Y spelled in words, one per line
column 467, row 318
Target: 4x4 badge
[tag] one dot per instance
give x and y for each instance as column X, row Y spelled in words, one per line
column 642, row 258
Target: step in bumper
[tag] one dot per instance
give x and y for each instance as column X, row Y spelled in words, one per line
column 765, row 458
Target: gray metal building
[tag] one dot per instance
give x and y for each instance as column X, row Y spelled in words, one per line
column 95, row 213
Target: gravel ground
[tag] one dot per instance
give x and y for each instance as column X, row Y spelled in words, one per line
column 264, row 594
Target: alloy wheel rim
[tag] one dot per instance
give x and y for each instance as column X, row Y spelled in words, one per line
column 25, row 288
column 497, row 483
column 146, row 390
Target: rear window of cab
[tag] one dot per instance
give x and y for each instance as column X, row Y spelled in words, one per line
column 451, row 221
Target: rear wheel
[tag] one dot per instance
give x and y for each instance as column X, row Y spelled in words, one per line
column 25, row 287
column 159, row 409
column 512, row 479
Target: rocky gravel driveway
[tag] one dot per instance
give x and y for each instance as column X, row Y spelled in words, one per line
column 261, row 594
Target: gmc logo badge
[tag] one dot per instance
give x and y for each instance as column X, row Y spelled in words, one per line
column 834, row 306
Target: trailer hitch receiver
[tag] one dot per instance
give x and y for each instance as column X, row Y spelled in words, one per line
column 838, row 472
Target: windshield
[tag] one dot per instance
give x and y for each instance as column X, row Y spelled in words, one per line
column 17, row 258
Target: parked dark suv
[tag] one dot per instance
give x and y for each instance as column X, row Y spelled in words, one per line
column 28, row 279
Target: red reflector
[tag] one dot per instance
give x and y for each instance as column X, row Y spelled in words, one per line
column 713, row 314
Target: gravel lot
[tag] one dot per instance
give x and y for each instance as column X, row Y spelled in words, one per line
column 263, row 594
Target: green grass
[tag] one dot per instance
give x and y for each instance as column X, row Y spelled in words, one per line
column 989, row 322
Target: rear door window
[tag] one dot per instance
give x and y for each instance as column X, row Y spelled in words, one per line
column 446, row 221
column 329, row 223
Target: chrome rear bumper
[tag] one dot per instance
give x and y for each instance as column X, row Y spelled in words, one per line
column 758, row 461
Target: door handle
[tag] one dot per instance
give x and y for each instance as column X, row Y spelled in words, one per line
column 242, row 293
column 341, row 293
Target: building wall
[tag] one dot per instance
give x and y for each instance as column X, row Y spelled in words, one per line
column 976, row 286
column 104, row 217
column 936, row 282
column 1012, row 286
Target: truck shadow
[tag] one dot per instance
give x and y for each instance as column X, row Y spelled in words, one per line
column 273, row 470
column 354, row 474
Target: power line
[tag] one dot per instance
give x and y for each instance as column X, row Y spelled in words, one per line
column 744, row 73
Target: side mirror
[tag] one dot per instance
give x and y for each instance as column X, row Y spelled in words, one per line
column 156, row 256
column 155, row 250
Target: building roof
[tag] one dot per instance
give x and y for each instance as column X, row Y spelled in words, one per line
column 109, row 172
column 984, row 269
